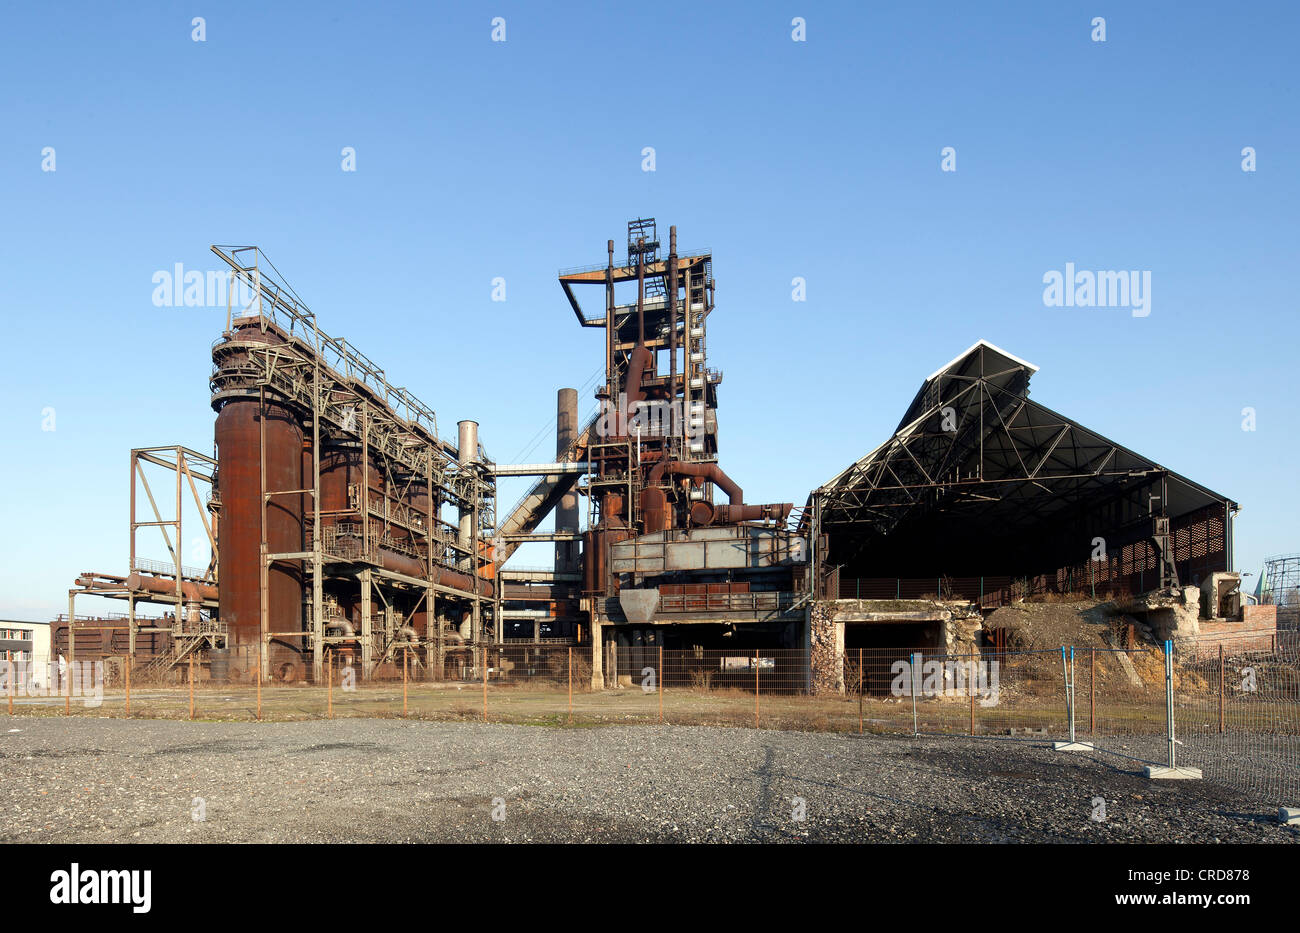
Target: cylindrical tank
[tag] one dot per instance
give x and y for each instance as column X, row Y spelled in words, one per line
column 467, row 441
column 241, row 419
column 238, row 436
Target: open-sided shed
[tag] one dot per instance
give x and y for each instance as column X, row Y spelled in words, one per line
column 982, row 486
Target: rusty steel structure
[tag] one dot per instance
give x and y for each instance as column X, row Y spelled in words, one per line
column 345, row 530
column 647, row 466
column 193, row 624
column 980, row 480
column 332, row 485
column 342, row 526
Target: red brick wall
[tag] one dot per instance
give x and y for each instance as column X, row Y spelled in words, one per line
column 1256, row 631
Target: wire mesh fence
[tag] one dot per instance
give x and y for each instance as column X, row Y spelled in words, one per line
column 1235, row 714
column 1235, row 708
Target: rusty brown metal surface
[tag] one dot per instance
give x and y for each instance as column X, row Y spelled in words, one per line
column 238, row 437
column 166, row 586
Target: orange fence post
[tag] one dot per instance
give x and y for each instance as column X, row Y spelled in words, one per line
column 128, row 688
column 257, row 675
column 191, row 686
column 1220, row 686
column 485, row 665
column 67, row 681
column 859, row 691
column 755, row 689
column 329, row 689
column 570, row 684
column 661, row 683
column 404, row 660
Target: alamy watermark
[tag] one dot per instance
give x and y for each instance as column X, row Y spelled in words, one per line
column 946, row 677
column 1101, row 289
column 81, row 679
column 195, row 288
column 665, row 418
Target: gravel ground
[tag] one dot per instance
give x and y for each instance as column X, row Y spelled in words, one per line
column 374, row 780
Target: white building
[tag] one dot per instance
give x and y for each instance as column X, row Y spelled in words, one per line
column 24, row 641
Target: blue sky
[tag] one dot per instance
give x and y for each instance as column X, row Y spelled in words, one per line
column 821, row 159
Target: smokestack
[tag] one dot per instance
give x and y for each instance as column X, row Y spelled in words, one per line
column 467, row 452
column 566, row 514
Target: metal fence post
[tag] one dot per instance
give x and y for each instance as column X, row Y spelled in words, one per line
column 191, row 685
column 1220, row 686
column 1169, row 699
column 329, row 689
column 404, row 658
column 1072, row 693
column 1173, row 771
column 128, row 691
column 571, row 684
column 756, row 689
column 916, row 664
column 1065, row 681
column 257, row 676
column 971, row 688
column 485, row 672
column 661, row 683
column 1092, row 687
column 1071, row 704
column 859, row 691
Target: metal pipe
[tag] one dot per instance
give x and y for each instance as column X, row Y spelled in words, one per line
column 191, row 591
column 709, row 471
column 640, row 291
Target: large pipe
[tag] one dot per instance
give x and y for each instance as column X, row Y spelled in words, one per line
column 731, row 514
column 654, row 502
column 709, row 471
column 409, row 566
column 164, row 586
column 566, row 513
column 637, row 364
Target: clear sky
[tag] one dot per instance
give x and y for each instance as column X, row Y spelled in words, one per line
column 819, row 159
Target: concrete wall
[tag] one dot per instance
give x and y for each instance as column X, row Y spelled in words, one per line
column 958, row 630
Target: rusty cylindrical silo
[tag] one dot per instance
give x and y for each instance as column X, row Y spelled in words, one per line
column 241, row 420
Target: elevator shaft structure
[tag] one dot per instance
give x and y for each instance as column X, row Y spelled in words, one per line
column 332, row 485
